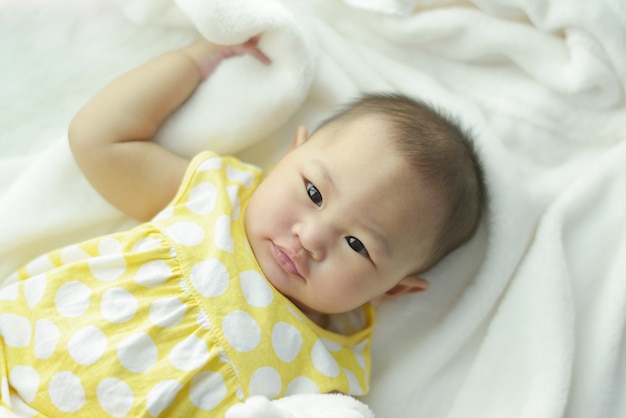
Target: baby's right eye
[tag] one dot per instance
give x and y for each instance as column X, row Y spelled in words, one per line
column 314, row 194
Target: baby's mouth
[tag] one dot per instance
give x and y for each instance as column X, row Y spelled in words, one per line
column 286, row 262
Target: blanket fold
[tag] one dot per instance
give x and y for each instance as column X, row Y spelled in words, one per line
column 271, row 95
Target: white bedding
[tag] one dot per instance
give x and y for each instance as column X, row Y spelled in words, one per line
column 529, row 319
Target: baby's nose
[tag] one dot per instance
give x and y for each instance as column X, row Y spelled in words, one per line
column 313, row 237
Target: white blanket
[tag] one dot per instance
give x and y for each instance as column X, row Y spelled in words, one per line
column 526, row 321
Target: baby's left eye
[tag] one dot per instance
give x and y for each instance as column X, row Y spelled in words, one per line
column 357, row 246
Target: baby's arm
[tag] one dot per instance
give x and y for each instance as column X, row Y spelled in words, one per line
column 110, row 136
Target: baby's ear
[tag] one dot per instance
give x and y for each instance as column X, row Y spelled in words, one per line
column 300, row 137
column 410, row 284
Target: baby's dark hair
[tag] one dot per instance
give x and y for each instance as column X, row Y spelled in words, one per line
column 442, row 153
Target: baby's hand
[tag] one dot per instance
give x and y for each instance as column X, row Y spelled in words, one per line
column 208, row 55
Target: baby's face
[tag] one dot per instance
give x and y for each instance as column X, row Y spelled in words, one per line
column 339, row 220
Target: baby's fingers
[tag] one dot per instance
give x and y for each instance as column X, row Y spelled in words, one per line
column 251, row 47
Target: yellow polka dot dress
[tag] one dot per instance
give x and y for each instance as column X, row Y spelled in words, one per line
column 171, row 318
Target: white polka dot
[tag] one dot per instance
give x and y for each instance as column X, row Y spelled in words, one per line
column 331, row 345
column 46, row 338
column 213, row 163
column 15, row 329
column 34, row 289
column 146, row 244
column 115, row 397
column 296, row 314
column 210, row 278
column 207, row 390
column 153, row 273
column 118, row 305
column 164, row 214
column 362, row 345
column 183, row 285
column 161, row 396
column 241, row 331
column 233, row 196
column 19, row 407
column 167, row 312
column 203, row 320
column 244, row 177
column 66, row 392
column 202, row 199
column 186, row 233
column 265, row 381
column 72, row 299
column 87, row 345
column 25, row 380
column 286, row 340
column 359, row 358
column 323, row 361
column 222, row 235
column 301, row 384
column 107, row 267
column 73, row 254
column 109, row 246
column 355, row 388
column 39, row 265
column 137, row 353
column 189, row 354
column 10, row 293
column 255, row 289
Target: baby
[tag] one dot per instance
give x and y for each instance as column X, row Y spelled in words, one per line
column 239, row 283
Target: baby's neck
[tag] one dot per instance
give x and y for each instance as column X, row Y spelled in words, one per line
column 320, row 319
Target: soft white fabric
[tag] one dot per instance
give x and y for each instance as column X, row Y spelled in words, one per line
column 528, row 320
column 301, row 406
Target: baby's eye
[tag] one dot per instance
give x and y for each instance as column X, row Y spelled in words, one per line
column 357, row 246
column 314, row 194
